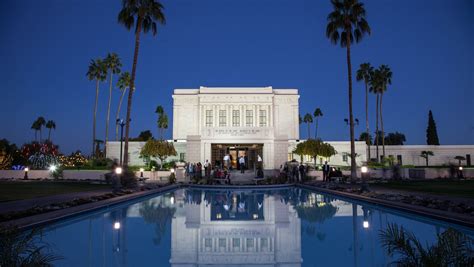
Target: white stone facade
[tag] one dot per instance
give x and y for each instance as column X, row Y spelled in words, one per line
column 443, row 154
column 244, row 116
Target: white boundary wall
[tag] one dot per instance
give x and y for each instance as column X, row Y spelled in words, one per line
column 78, row 174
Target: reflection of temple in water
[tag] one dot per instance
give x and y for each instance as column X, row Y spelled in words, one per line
column 234, row 228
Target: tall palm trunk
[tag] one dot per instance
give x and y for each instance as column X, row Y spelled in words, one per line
column 316, row 129
column 351, row 115
column 367, row 140
column 108, row 116
column 381, row 126
column 36, row 135
column 377, row 127
column 118, row 114
column 309, row 131
column 95, row 115
column 49, row 134
column 41, row 134
column 130, row 92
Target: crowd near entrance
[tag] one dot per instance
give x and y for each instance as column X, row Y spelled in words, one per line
column 249, row 152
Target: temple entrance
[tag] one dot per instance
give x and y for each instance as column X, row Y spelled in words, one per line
column 250, row 153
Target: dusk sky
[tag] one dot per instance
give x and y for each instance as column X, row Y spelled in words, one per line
column 47, row 45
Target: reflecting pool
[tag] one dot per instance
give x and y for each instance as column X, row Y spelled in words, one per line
column 194, row 227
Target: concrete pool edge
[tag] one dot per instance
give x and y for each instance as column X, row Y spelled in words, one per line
column 62, row 214
column 407, row 208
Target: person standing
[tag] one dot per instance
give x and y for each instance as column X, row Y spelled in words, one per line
column 206, row 169
column 326, row 169
column 302, row 172
column 242, row 164
column 226, row 161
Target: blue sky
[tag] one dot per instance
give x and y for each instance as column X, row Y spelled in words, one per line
column 47, row 45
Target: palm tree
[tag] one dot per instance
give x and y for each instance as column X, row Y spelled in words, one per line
column 452, row 248
column 346, row 23
column 365, row 73
column 40, row 123
column 35, row 126
column 50, row 125
column 374, row 88
column 317, row 113
column 386, row 79
column 162, row 120
column 123, row 83
column 142, row 15
column 98, row 72
column 308, row 119
column 426, row 155
column 113, row 64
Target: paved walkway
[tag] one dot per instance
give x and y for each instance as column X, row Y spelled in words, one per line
column 25, row 204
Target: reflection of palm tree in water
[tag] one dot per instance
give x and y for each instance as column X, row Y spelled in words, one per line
column 159, row 215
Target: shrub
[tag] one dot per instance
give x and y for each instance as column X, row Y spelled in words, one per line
column 128, row 179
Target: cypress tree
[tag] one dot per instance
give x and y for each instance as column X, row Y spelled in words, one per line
column 431, row 132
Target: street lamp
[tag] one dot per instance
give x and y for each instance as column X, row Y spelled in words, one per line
column 118, row 170
column 117, row 225
column 26, row 173
column 52, row 168
column 460, row 174
column 121, row 123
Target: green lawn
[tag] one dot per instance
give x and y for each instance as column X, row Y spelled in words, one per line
column 30, row 189
column 450, row 188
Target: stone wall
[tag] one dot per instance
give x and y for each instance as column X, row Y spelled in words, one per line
column 78, row 174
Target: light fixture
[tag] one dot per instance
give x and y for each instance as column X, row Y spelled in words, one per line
column 460, row 168
column 255, row 216
column 141, row 172
column 26, row 173
column 52, row 168
column 117, row 225
column 118, row 170
column 27, row 169
column 365, row 224
column 364, row 169
column 172, row 199
column 172, row 170
column 219, row 216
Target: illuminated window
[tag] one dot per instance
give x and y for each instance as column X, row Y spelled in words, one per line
column 249, row 118
column 235, row 118
column 263, row 118
column 222, row 118
column 208, row 118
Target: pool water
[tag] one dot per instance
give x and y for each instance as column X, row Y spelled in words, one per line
column 194, row 227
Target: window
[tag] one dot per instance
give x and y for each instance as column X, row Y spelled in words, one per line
column 235, row 118
column 236, row 242
column 264, row 244
column 222, row 242
column 249, row 118
column 208, row 244
column 344, row 157
column 208, row 118
column 250, row 243
column 263, row 118
column 399, row 159
column 222, row 118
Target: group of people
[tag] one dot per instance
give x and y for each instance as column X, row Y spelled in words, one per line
column 194, row 170
column 296, row 172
